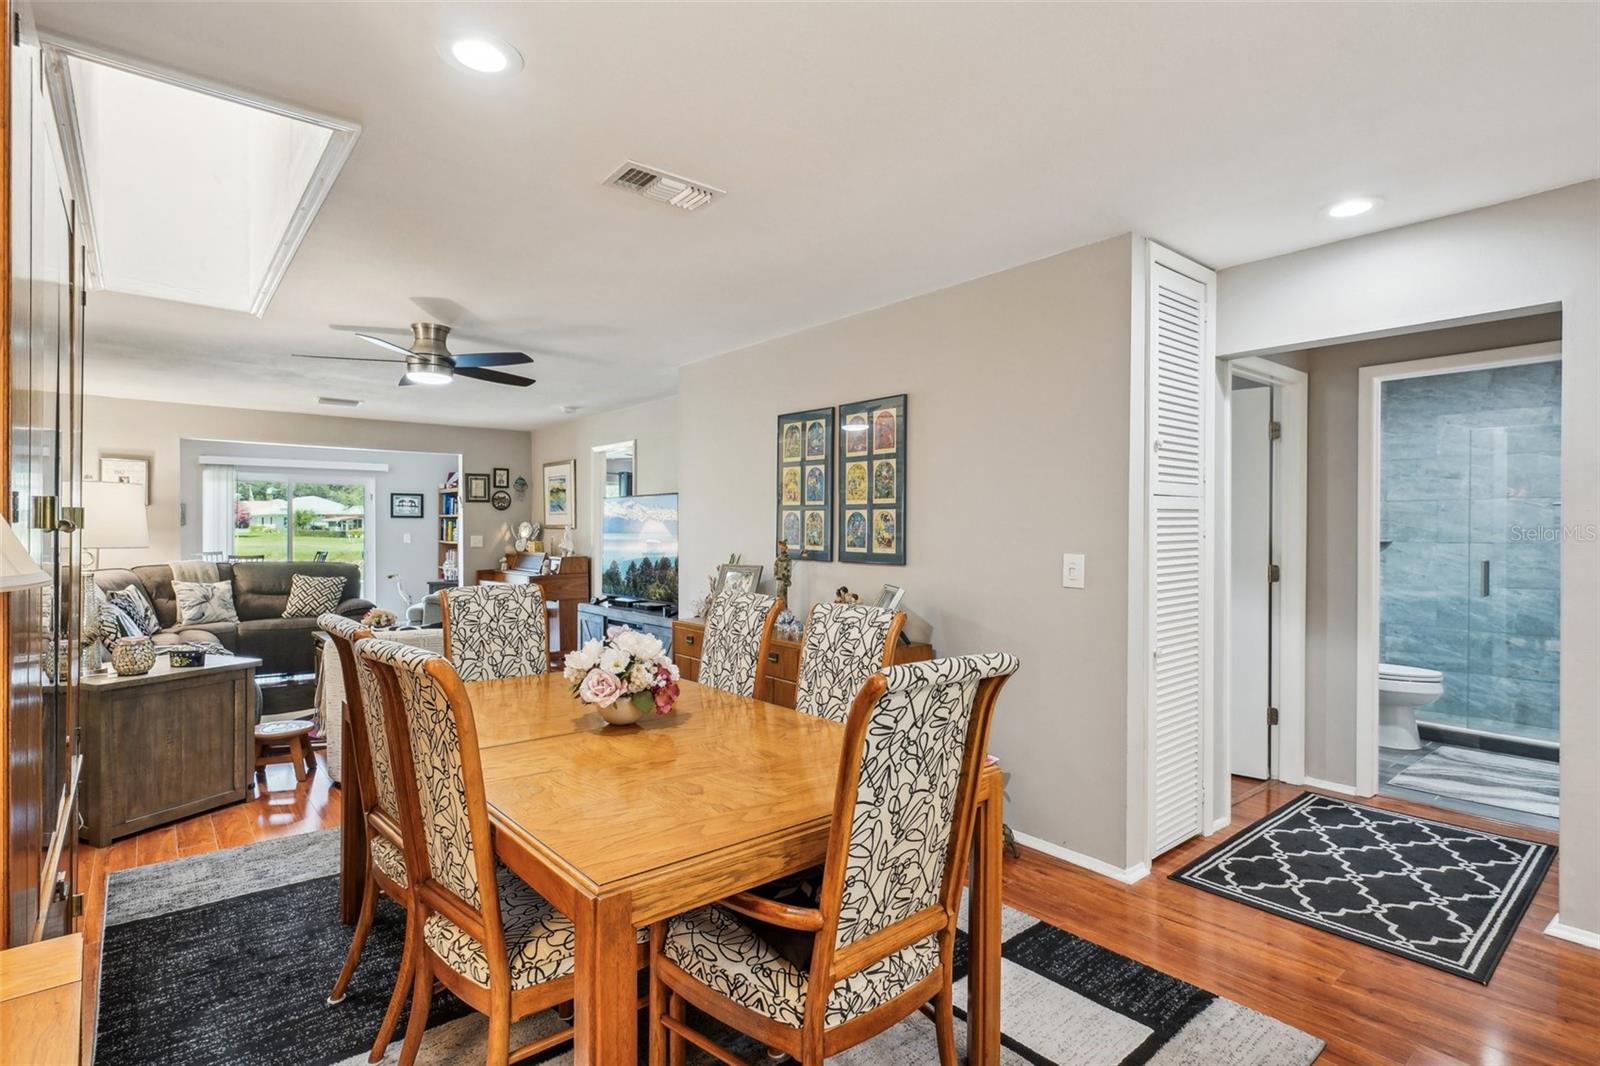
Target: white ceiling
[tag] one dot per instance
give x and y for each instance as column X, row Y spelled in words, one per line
column 870, row 153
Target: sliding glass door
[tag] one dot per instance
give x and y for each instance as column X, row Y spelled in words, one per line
column 283, row 517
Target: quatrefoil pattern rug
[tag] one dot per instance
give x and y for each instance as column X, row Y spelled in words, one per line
column 1436, row 893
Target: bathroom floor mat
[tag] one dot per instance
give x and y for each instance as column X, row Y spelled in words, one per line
column 1435, row 893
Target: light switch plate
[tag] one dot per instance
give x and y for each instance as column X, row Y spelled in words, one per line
column 1071, row 571
column 405, row 538
column 475, row 541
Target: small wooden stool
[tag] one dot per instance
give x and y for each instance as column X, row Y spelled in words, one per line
column 295, row 735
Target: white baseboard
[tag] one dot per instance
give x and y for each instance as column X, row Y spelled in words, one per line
column 1222, row 822
column 1127, row 876
column 1331, row 786
column 1576, row 936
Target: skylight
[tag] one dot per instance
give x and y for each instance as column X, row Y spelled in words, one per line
column 191, row 192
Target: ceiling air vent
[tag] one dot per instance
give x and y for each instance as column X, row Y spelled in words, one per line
column 337, row 401
column 658, row 185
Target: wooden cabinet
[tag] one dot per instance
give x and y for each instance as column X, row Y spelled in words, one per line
column 166, row 744
column 594, row 619
column 783, row 659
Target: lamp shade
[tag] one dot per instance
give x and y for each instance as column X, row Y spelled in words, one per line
column 114, row 515
column 17, row 568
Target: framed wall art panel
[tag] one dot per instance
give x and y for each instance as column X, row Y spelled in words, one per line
column 805, row 483
column 871, row 449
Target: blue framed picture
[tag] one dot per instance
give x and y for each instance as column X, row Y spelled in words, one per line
column 871, row 462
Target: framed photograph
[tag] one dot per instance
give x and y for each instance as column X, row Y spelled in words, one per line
column 501, row 500
column 405, row 505
column 127, row 471
column 872, row 481
column 477, row 488
column 805, row 483
column 561, row 494
column 889, row 597
column 502, row 478
column 738, row 577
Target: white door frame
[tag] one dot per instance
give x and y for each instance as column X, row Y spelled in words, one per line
column 1289, row 547
column 1369, row 446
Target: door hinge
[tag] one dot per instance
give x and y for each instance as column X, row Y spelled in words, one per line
column 1272, row 573
column 1274, row 430
column 1272, row 716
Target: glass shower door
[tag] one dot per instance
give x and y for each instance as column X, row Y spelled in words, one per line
column 1514, row 578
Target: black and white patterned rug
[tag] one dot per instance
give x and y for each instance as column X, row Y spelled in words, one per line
column 228, row 958
column 1433, row 892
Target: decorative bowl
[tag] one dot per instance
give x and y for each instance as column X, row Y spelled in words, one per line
column 131, row 656
column 187, row 656
column 623, row 712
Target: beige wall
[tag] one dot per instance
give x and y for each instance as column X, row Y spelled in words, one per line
column 1539, row 252
column 1017, row 434
column 1331, row 474
column 653, row 427
column 153, row 430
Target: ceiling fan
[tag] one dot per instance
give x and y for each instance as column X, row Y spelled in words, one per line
column 429, row 362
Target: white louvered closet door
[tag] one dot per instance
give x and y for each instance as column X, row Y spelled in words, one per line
column 1178, row 376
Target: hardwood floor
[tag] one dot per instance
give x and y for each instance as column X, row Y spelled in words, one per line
column 1543, row 1005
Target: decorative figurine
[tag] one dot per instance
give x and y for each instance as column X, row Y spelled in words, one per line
column 783, row 571
column 567, row 547
column 844, row 595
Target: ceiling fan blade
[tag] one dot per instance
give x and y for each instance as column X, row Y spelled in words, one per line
column 493, row 359
column 380, row 342
column 491, row 375
column 344, row 358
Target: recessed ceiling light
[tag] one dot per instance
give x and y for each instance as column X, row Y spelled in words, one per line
column 483, row 55
column 1356, row 205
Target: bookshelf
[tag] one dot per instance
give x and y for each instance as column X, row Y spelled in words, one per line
column 450, row 525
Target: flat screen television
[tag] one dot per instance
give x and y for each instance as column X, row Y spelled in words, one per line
column 639, row 548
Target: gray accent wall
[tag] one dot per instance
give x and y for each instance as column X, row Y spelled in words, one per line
column 1471, row 477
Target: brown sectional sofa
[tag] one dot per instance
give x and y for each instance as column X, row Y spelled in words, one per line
column 260, row 590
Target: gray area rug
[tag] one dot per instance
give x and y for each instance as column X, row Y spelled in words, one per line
column 1513, row 781
column 228, row 957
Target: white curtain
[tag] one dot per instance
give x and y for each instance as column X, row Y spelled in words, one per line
column 217, row 489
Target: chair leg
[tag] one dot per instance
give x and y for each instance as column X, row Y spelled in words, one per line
column 658, row 999
column 402, row 987
column 297, row 755
column 944, row 1023
column 677, row 1046
column 498, row 1052
column 369, row 903
column 310, row 755
column 421, row 1000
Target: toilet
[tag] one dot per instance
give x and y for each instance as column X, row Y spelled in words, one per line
column 1401, row 690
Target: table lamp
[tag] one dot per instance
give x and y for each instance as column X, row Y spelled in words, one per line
column 17, row 568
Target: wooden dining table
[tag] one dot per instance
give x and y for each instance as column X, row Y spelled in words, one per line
column 623, row 826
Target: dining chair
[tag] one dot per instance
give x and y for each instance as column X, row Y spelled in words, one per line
column 845, row 643
column 738, row 632
column 494, row 631
column 386, row 841
column 487, row 936
column 877, row 945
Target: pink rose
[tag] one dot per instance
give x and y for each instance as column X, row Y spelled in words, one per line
column 600, row 688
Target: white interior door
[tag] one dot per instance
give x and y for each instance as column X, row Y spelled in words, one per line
column 1250, row 608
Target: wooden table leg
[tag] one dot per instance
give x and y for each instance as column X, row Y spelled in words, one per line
column 607, row 1000
column 352, row 831
column 983, row 928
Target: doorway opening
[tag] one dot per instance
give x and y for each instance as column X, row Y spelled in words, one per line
column 1459, row 704
column 1263, row 721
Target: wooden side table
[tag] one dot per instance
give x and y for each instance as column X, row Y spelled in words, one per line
column 165, row 745
column 295, row 738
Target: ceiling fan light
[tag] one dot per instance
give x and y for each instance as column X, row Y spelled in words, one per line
column 427, row 376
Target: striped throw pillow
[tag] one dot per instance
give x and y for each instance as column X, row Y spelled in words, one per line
column 310, row 596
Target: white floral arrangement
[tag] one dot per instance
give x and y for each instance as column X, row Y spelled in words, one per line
column 628, row 665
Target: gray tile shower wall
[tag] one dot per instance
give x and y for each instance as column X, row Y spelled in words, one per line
column 1472, row 476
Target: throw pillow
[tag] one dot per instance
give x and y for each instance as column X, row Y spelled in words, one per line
column 136, row 605
column 200, row 602
column 312, row 596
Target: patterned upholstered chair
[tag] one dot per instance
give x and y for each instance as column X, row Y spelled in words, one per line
column 738, row 631
column 495, row 631
column 845, row 644
column 494, row 942
column 373, row 778
column 883, row 927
